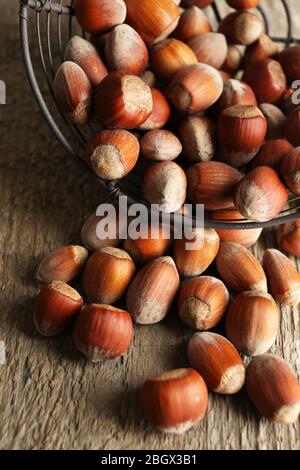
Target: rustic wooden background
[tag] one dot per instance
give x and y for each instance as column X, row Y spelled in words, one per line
column 51, row 398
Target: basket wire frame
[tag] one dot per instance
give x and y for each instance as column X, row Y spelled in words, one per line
column 128, row 187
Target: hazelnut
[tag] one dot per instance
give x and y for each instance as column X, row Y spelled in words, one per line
column 267, row 80
column 193, row 22
column 195, row 88
column 102, row 332
column 84, row 54
column 273, row 388
column 90, row 237
column 212, row 184
column 154, row 20
column 233, row 59
column 252, row 322
column 160, row 114
column 169, row 56
column 288, row 237
column 261, row 49
column 112, row 154
column 290, row 171
column 283, row 277
column 202, row 302
column 217, row 360
column 246, row 237
column 143, row 250
column 241, row 131
column 241, row 27
column 107, row 275
column 240, row 269
column 291, row 127
column 272, row 153
column 236, row 92
column 289, row 59
column 156, row 284
column 126, row 51
column 123, row 101
column 73, row 93
column 260, row 195
column 183, row 387
column 198, row 137
column 210, row 48
column 56, row 306
column 275, row 119
column 160, row 145
column 194, row 260
column 63, row 264
column 165, row 184
column 99, row 16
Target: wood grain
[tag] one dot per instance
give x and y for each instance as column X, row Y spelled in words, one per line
column 51, row 398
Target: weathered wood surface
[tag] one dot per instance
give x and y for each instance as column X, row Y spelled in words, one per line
column 50, row 397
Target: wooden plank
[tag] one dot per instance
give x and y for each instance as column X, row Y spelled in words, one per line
column 50, row 397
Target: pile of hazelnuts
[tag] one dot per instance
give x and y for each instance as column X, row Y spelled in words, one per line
column 163, row 86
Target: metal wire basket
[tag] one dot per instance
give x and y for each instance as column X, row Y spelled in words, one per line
column 47, row 26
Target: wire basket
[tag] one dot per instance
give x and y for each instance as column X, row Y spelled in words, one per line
column 47, row 26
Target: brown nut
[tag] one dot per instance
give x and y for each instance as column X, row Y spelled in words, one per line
column 260, row 195
column 160, row 114
column 91, row 235
column 73, row 93
column 156, row 285
column 125, row 50
column 165, row 184
column 212, row 184
column 154, row 245
column 202, row 302
column 275, row 119
column 252, row 322
column 273, row 388
column 123, row 101
column 210, row 48
column 288, row 237
column 99, row 16
column 261, row 49
column 84, row 54
column 272, row 153
column 246, row 237
column 186, row 388
column 160, row 145
column 283, row 277
column 56, row 306
column 267, row 80
column 102, row 332
column 290, row 171
column 112, row 154
column 218, row 362
column 193, row 22
column 241, row 132
column 241, row 27
column 195, row 88
column 233, row 59
column 63, row 264
column 236, row 92
column 169, row 56
column 198, row 137
column 154, row 20
column 107, row 275
column 195, row 254
column 240, row 269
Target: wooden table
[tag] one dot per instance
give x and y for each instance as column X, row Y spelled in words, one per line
column 51, row 398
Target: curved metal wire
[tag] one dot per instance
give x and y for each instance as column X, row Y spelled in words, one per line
column 49, row 52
